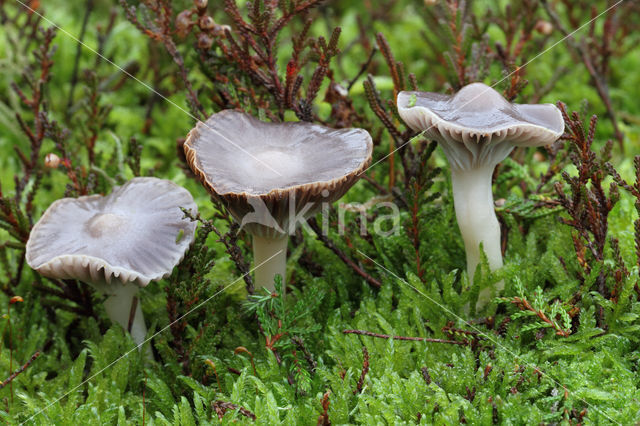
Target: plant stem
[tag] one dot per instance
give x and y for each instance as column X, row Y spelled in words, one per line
column 269, row 259
column 473, row 200
column 16, row 373
column 118, row 306
column 348, row 261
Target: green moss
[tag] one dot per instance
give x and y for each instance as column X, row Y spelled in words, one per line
column 508, row 364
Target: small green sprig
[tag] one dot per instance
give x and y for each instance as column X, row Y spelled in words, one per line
column 554, row 316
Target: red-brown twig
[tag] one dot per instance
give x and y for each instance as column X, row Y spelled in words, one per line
column 323, row 419
column 363, row 69
column 365, row 370
column 587, row 202
column 221, row 407
column 425, row 375
column 331, row 246
column 20, row 370
column 215, row 371
column 243, row 349
column 305, row 351
column 524, row 304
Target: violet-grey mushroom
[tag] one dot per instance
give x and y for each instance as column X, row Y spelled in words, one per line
column 272, row 176
column 116, row 243
column 477, row 128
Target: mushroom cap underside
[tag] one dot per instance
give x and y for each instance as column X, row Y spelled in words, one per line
column 135, row 234
column 478, row 112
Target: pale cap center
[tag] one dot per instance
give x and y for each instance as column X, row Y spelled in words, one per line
column 105, row 224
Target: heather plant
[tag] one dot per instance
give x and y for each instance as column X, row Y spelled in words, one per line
column 375, row 325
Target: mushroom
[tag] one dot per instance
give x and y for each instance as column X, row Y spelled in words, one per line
column 116, row 243
column 272, row 176
column 477, row 128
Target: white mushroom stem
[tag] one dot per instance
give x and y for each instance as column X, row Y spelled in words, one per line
column 118, row 306
column 270, row 258
column 473, row 200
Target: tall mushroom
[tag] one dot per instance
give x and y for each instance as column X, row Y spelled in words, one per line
column 271, row 176
column 116, row 243
column 477, row 128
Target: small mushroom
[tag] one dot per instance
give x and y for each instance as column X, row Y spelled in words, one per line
column 272, row 176
column 477, row 128
column 116, row 243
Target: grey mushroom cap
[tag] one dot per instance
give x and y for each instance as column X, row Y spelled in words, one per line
column 257, row 168
column 478, row 116
column 136, row 234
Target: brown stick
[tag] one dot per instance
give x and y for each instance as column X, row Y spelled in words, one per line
column 323, row 419
column 20, row 370
column 363, row 69
column 415, row 339
column 375, row 184
column 523, row 304
column 425, row 375
column 331, row 246
column 307, row 355
column 221, row 407
column 365, row 370
column 215, row 371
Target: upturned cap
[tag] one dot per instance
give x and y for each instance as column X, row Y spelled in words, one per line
column 478, row 115
column 268, row 173
column 136, row 234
